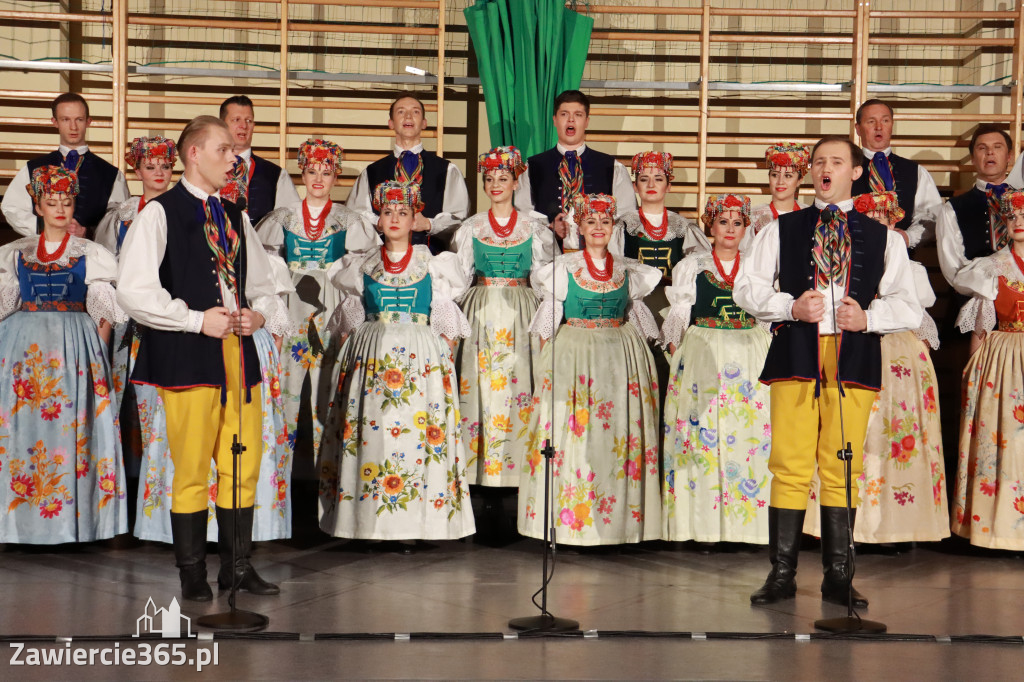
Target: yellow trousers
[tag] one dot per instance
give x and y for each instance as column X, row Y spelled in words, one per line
column 805, row 431
column 201, row 429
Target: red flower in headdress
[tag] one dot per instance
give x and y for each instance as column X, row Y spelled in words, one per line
column 599, row 206
column 864, row 203
column 61, row 185
column 1017, row 200
column 320, row 154
column 394, row 195
column 781, row 159
column 732, row 201
column 492, row 162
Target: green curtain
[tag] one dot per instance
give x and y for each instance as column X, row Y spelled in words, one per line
column 527, row 51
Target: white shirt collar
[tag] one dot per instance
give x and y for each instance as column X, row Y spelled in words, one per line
column 562, row 149
column 870, row 154
column 981, row 184
column 195, row 191
column 246, row 155
column 845, row 206
column 415, row 149
column 80, row 149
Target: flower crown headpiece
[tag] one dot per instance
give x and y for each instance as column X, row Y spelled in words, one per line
column 785, row 155
column 720, row 203
column 1012, row 200
column 320, row 151
column 886, row 202
column 507, row 158
column 53, row 180
column 660, row 160
column 585, row 205
column 143, row 148
column 393, row 192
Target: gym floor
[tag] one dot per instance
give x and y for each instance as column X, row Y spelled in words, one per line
column 331, row 586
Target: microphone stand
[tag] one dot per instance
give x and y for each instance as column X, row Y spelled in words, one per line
column 851, row 623
column 234, row 619
column 546, row 621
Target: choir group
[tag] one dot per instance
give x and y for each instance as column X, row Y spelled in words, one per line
column 695, row 382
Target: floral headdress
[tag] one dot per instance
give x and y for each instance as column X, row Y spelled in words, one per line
column 508, row 158
column 720, row 203
column 53, row 180
column 886, row 202
column 660, row 160
column 786, row 155
column 1012, row 200
column 143, row 148
column 585, row 205
column 320, row 151
column 393, row 192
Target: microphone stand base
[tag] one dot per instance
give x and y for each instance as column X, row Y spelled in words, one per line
column 235, row 621
column 850, row 625
column 544, row 623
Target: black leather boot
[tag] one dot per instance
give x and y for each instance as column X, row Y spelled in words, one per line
column 835, row 534
column 785, row 527
column 244, row 574
column 188, row 533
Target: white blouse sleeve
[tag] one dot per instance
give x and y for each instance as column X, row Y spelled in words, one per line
column 978, row 315
column 695, row 241
column 950, row 244
column 897, row 307
column 551, row 282
column 681, row 295
column 980, row 277
column 106, row 231
column 10, row 289
column 265, row 284
column 642, row 281
column 754, row 290
column 100, row 298
column 617, row 245
column 346, row 274
column 455, row 203
column 448, row 284
column 270, row 231
column 462, row 245
column 360, row 235
column 543, row 247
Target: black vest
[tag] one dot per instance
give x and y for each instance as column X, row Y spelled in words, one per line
column 96, row 180
column 435, row 176
column 662, row 255
column 188, row 271
column 904, row 174
column 262, row 189
column 793, row 353
column 971, row 209
column 546, row 186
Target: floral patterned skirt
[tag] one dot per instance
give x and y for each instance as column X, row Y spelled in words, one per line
column 392, row 463
column 308, row 355
column 273, row 515
column 61, row 474
column 496, row 382
column 903, row 487
column 989, row 505
column 605, row 468
column 717, row 438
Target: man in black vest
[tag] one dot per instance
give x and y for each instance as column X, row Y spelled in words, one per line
column 442, row 186
column 884, row 171
column 970, row 224
column 258, row 186
column 843, row 281
column 193, row 275
column 554, row 177
column 101, row 184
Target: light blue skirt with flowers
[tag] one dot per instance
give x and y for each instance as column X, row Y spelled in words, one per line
column 61, row 474
column 717, row 438
column 273, row 516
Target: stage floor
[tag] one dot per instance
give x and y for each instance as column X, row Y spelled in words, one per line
column 329, row 587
